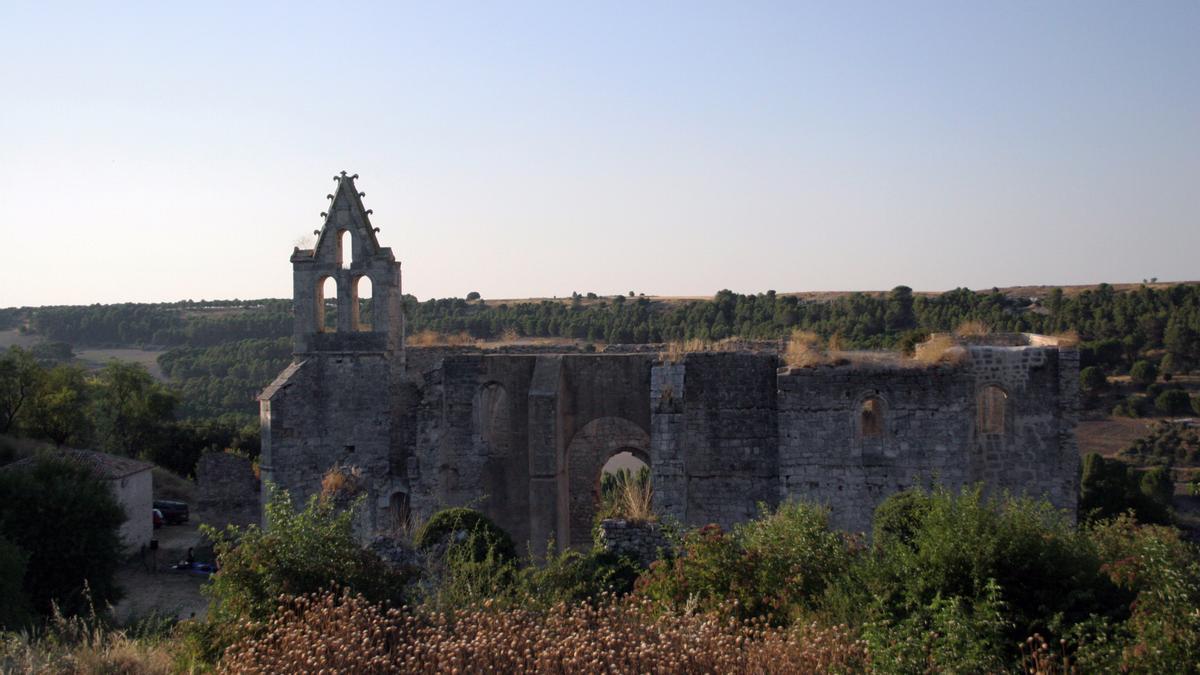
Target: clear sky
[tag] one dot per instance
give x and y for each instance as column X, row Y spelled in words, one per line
column 172, row 150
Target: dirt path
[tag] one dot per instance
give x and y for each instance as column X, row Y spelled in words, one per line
column 152, row 587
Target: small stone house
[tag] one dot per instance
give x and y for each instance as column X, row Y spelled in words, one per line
column 132, row 483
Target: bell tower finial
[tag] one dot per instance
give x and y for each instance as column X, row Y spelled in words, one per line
column 346, row 289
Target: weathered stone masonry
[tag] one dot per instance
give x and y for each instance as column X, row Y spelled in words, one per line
column 523, row 436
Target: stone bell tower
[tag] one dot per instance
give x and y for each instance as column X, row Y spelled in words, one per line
column 333, row 407
column 346, row 263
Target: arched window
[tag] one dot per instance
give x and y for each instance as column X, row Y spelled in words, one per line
column 870, row 417
column 362, row 293
column 325, row 305
column 345, row 249
column 491, row 409
column 993, row 405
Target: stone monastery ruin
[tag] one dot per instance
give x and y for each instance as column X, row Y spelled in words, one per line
column 522, row 433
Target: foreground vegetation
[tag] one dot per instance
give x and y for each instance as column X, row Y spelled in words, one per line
column 949, row 582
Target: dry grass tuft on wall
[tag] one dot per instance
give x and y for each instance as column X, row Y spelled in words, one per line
column 1067, row 340
column 941, row 349
column 677, row 349
column 342, row 482
column 805, row 350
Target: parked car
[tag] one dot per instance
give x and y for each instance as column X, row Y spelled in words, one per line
column 175, row 513
column 158, row 519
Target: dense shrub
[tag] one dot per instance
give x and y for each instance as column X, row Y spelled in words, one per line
column 1168, row 443
column 1131, row 406
column 68, row 521
column 14, row 610
column 299, row 552
column 777, row 566
column 1173, row 402
column 1092, row 379
column 1143, row 373
column 571, row 577
column 458, row 527
column 1108, row 488
column 1161, row 572
column 981, row 574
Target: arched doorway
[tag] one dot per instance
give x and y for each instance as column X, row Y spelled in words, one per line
column 590, row 450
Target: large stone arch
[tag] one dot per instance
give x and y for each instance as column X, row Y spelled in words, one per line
column 590, row 448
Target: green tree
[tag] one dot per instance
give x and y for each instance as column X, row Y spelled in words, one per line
column 899, row 315
column 1173, row 402
column 1108, row 488
column 59, row 409
column 132, row 410
column 1092, row 379
column 1143, row 373
column 69, row 521
column 20, row 376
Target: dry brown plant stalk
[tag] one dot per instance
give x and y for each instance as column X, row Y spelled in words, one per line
column 941, row 348
column 332, row 632
column 804, row 350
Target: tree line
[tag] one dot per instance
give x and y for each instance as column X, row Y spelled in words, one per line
column 120, row 409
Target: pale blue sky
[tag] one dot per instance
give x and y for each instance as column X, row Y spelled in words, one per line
column 163, row 151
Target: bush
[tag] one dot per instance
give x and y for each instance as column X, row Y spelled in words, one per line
column 1143, row 373
column 1092, row 379
column 982, row 573
column 68, row 521
column 14, row 611
column 1108, row 489
column 776, row 567
column 1173, row 402
column 299, row 552
column 1132, row 406
column 571, row 577
column 456, row 527
column 1167, row 443
column 1161, row 572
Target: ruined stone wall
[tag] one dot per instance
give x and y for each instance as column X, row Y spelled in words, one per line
column 931, row 431
column 471, row 443
column 227, row 491
column 331, row 410
column 522, row 437
column 642, row 542
column 715, row 453
column 1036, row 453
column 825, row 456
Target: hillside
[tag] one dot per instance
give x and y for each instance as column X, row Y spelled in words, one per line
column 218, row 354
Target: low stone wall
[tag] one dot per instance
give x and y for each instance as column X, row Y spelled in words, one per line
column 227, row 491
column 638, row 540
